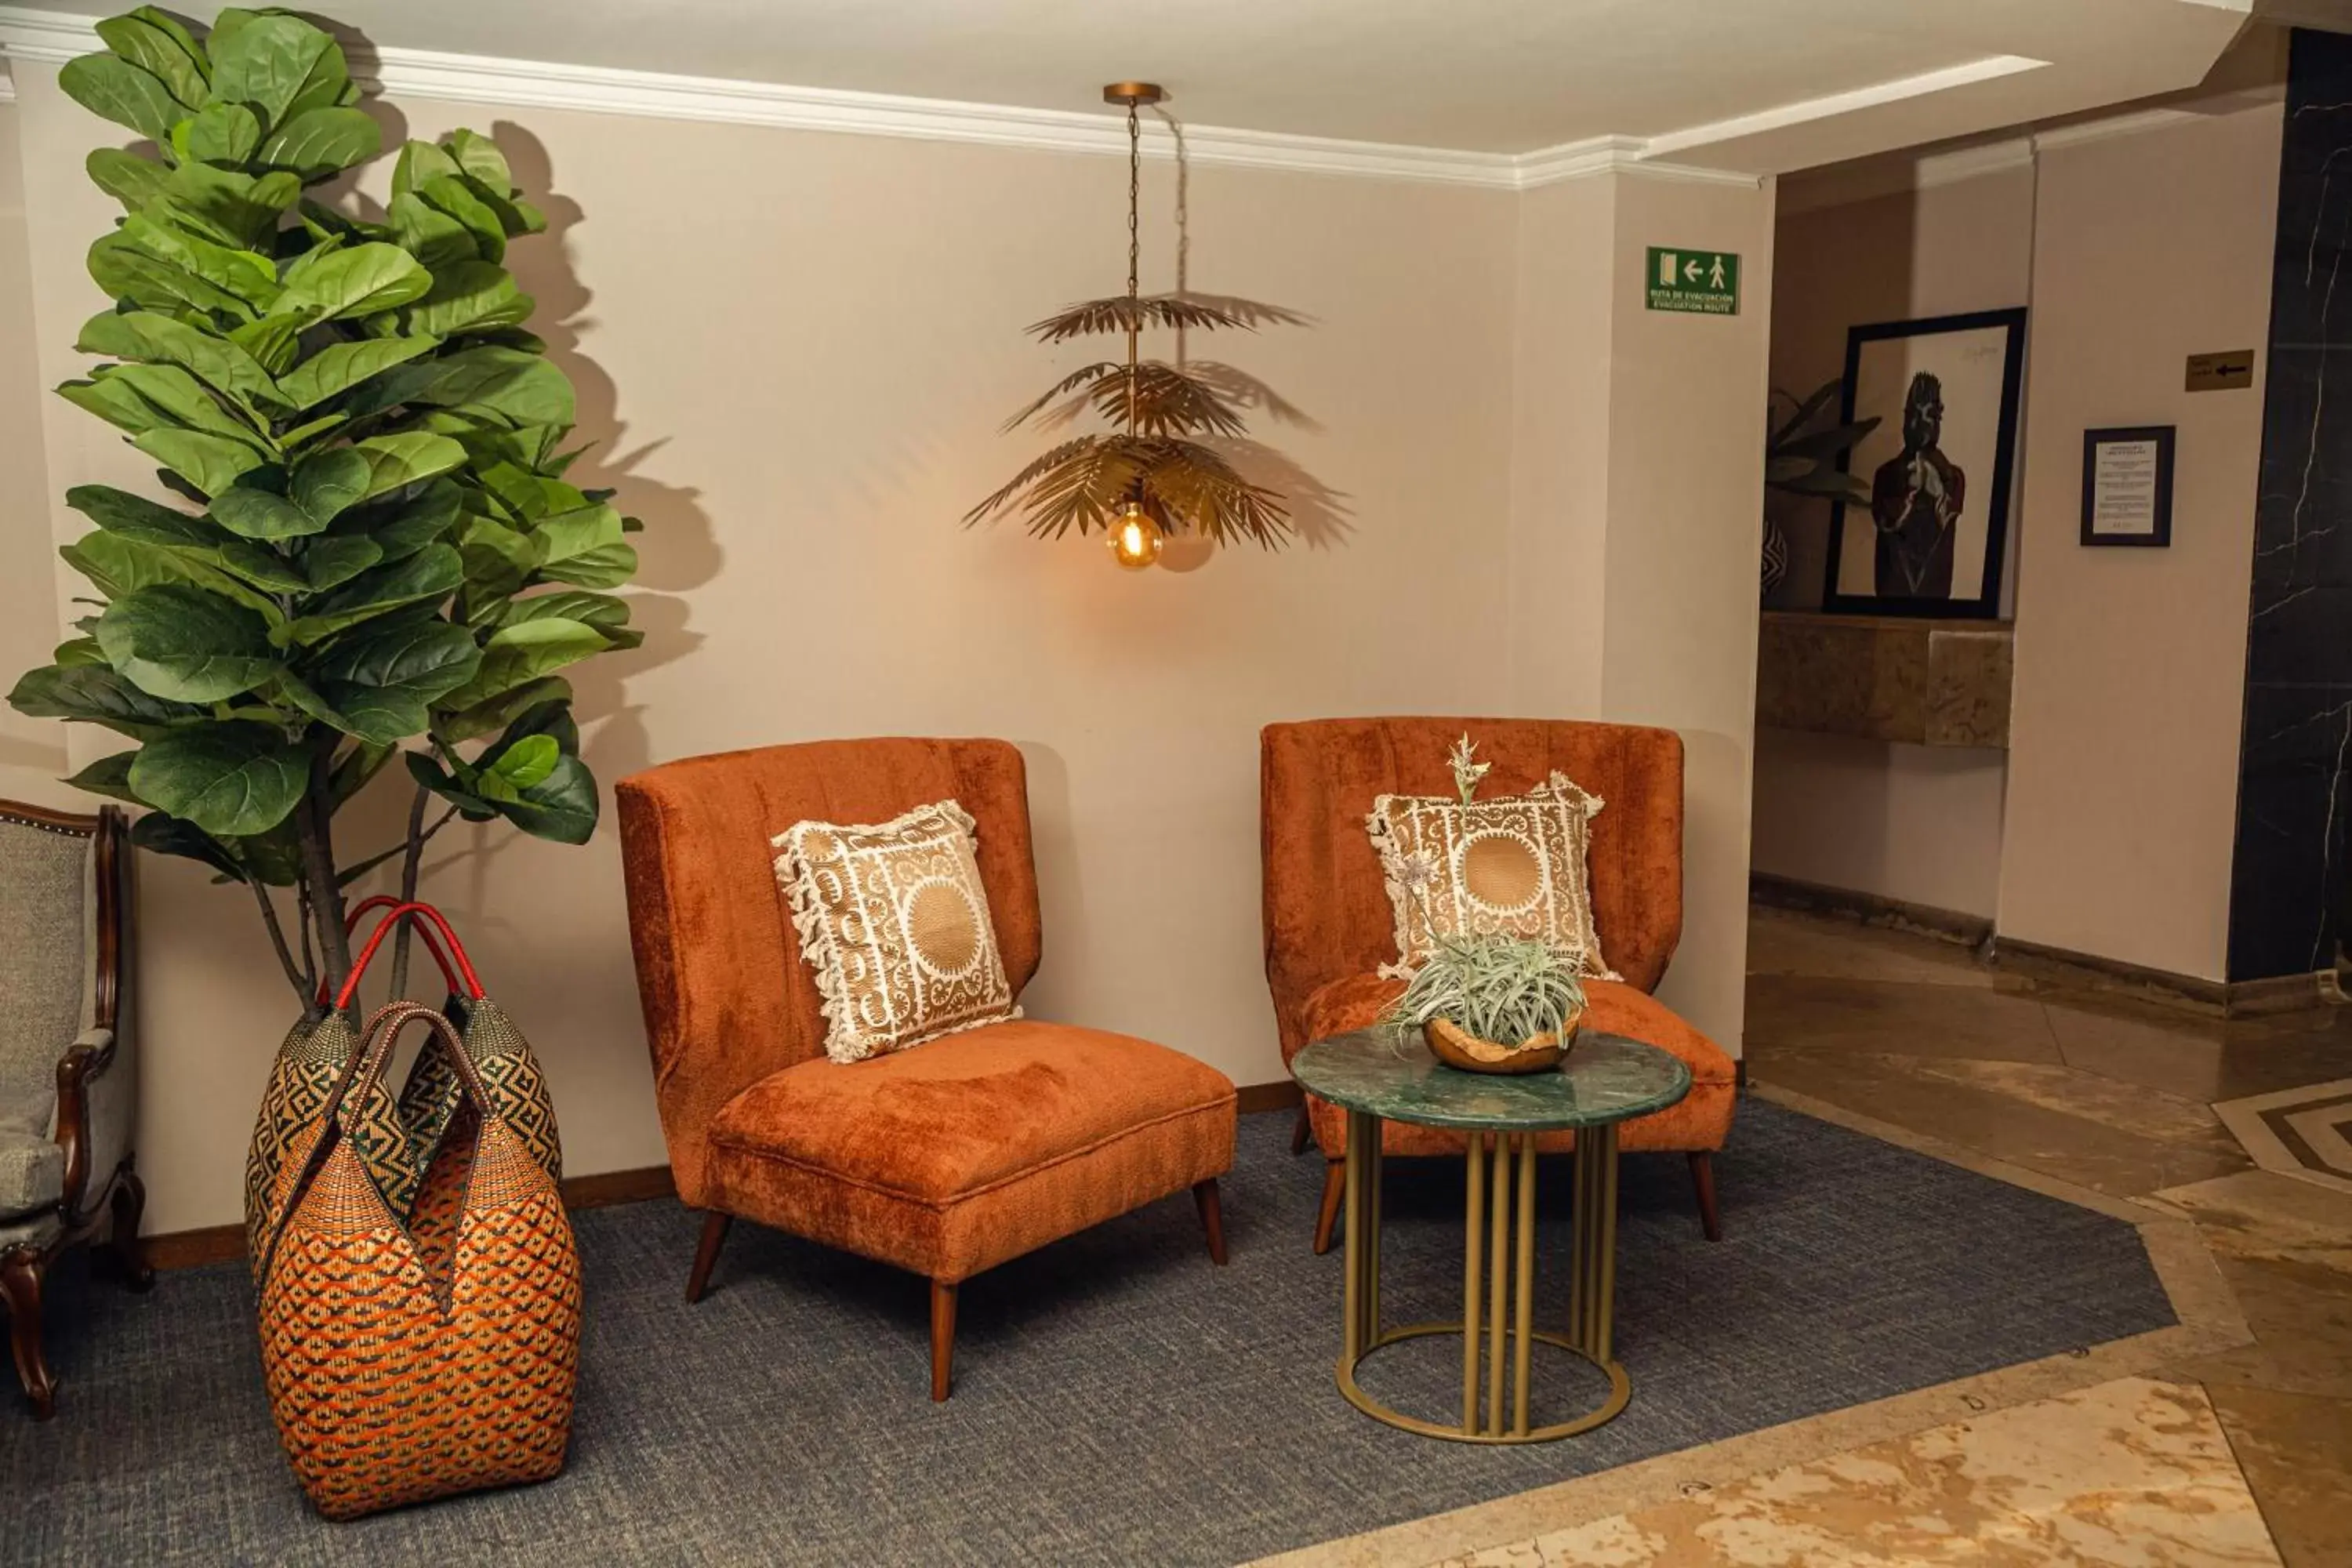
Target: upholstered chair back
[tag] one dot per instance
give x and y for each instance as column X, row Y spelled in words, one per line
column 727, row 999
column 46, row 907
column 1327, row 915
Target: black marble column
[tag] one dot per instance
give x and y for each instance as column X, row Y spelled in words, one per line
column 2288, row 893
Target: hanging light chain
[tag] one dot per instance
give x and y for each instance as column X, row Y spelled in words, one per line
column 1134, row 251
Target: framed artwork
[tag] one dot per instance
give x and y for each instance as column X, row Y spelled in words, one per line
column 2127, row 485
column 1945, row 392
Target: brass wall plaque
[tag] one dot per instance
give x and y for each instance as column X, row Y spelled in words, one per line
column 2221, row 371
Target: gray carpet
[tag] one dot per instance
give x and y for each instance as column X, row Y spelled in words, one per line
column 1118, row 1399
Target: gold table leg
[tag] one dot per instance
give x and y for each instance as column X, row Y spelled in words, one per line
column 1497, row 1281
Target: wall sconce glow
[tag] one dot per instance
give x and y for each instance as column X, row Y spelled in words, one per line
column 1135, row 543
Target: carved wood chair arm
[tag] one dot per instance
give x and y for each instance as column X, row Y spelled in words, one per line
column 78, row 1131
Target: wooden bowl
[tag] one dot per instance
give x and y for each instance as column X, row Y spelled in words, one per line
column 1458, row 1047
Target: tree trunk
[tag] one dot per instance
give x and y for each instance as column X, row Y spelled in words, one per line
column 315, row 825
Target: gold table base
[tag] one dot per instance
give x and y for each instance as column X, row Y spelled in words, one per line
column 1500, row 1265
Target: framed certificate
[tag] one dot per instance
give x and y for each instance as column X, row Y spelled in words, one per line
column 2127, row 485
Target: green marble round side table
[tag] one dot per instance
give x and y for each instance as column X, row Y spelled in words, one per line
column 1378, row 1075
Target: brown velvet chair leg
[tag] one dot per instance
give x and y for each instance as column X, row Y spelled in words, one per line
column 1298, row 1132
column 943, row 1305
column 1702, row 1166
column 20, row 1288
column 130, row 1203
column 714, row 1235
column 1335, row 1177
column 1213, row 1219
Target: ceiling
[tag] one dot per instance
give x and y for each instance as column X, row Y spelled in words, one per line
column 1761, row 85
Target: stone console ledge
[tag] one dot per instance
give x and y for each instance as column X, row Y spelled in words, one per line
column 1885, row 678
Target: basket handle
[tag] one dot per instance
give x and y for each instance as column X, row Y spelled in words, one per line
column 472, row 987
column 432, row 943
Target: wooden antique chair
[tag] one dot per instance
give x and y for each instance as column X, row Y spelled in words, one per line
column 944, row 1158
column 1329, row 925
column 68, row 1072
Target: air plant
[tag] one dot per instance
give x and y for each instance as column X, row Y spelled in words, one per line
column 1467, row 769
column 1494, row 987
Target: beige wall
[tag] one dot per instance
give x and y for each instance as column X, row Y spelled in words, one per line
column 32, row 753
column 2131, row 663
column 1919, row 824
column 794, row 350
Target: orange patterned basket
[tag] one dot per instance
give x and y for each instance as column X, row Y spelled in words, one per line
column 414, row 1361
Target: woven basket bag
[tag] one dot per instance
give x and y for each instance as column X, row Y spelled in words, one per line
column 409, row 1361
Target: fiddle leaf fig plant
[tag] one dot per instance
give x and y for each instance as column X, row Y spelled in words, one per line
column 365, row 547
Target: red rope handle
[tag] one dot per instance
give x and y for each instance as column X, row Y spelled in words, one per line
column 384, row 902
column 472, row 987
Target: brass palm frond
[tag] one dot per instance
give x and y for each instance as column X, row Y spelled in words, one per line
column 1083, row 483
column 1155, row 398
column 1124, row 312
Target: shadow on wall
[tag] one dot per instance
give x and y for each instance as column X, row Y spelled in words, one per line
column 677, row 550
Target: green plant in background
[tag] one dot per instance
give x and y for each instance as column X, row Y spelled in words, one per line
column 1496, row 988
column 1801, row 453
column 372, row 551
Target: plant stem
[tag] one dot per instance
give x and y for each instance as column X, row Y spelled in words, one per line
column 409, row 864
column 315, row 826
column 294, row 976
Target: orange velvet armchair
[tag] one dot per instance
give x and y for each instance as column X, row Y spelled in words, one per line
column 1329, row 925
column 945, row 1158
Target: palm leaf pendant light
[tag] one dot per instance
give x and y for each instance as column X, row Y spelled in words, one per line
column 1148, row 477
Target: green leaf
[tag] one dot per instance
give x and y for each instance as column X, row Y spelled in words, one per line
column 76, row 652
column 235, row 207
column 325, row 483
column 96, row 694
column 481, row 719
column 126, row 272
column 571, row 534
column 432, row 573
column 354, row 280
column 211, row 463
column 302, row 434
column 239, row 779
column 162, row 340
column 525, row 652
column 121, row 565
column 335, row 558
column 430, row 234
column 563, row 806
column 341, row 366
column 499, row 560
column 114, row 89
column 223, row 134
column 274, row 341
column 469, row 297
column 179, row 642
column 181, row 396
column 520, row 765
column 116, row 402
column 266, row 62
column 108, row 776
column 254, row 513
column 126, row 176
column 250, row 277
column 607, row 566
column 478, row 156
column 162, row 834
column 441, row 782
column 382, row 683
column 486, row 382
column 420, row 162
column 456, row 196
column 157, row 52
column 260, row 566
column 603, row 611
column 320, row 142
column 403, row 529
column 135, row 517
column 403, row 460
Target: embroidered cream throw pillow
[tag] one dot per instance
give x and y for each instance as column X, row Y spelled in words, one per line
column 893, row 919
column 1514, row 864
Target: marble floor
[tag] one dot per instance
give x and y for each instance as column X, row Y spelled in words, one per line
column 2227, row 1439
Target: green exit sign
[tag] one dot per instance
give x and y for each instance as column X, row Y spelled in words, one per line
column 1703, row 282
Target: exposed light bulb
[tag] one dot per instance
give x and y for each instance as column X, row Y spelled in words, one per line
column 1135, row 539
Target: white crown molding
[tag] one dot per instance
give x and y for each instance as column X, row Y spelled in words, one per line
column 56, row 37
column 1877, row 95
